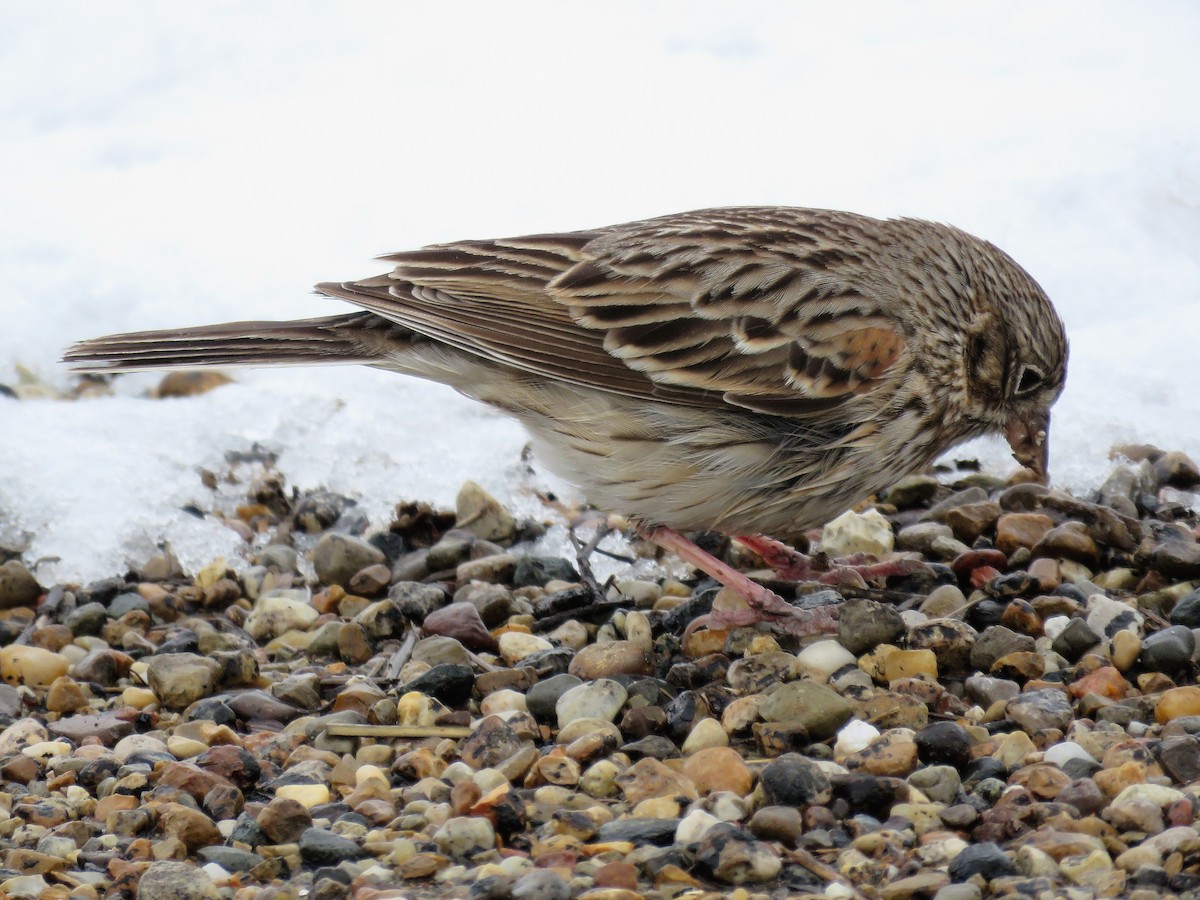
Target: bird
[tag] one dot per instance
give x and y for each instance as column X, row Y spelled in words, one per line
column 747, row 370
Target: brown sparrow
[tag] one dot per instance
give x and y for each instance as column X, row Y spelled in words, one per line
column 750, row 370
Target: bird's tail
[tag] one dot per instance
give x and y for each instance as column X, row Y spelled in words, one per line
column 333, row 339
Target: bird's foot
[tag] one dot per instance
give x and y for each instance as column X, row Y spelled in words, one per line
column 853, row 571
column 763, row 604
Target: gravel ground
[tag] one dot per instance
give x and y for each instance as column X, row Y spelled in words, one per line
column 433, row 711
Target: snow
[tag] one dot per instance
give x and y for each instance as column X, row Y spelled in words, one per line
column 166, row 165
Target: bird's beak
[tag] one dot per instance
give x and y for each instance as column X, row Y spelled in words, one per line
column 1028, row 435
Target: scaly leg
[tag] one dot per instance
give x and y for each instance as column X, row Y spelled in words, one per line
column 765, row 604
column 792, row 565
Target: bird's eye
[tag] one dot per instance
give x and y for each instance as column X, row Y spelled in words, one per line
column 1028, row 381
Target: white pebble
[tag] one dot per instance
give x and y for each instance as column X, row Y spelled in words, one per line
column 855, row 735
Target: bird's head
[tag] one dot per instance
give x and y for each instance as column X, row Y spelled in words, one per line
column 1014, row 352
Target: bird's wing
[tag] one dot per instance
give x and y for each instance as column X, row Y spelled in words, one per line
column 752, row 307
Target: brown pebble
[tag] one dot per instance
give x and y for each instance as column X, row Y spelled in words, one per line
column 718, row 769
column 609, row 659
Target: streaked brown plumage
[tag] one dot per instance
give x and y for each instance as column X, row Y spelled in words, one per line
column 751, row 370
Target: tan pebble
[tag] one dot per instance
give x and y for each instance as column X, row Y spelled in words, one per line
column 1015, row 530
column 741, row 713
column 505, row 700
column 571, row 634
column 925, row 817
column 705, row 734
column 1124, row 649
column 138, row 697
column 1013, row 749
column 1113, row 781
column 910, row 664
column 65, row 696
column 185, row 748
column 704, row 641
column 1177, row 702
column 718, row 769
column 638, row 631
column 609, row 659
column 580, row 728
column 34, row 667
column 1073, row 572
column 515, row 646
column 658, row 808
column 307, row 795
column 189, row 383
column 1045, row 572
column 874, row 662
column 558, row 770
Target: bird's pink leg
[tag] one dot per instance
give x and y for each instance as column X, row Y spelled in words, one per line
column 765, row 604
column 792, row 565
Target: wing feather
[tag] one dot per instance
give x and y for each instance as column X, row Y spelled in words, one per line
column 765, row 309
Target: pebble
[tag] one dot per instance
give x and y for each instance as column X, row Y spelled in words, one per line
column 852, row 533
column 1016, row 715
column 34, row 667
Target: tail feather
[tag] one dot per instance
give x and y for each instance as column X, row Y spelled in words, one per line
column 334, row 339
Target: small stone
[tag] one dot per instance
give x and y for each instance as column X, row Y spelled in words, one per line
column 971, row 520
column 319, row 847
column 35, row 667
column 821, row 659
column 718, row 769
column 985, row 859
column 950, row 640
column 610, row 659
column 940, row 784
column 462, row 622
column 1180, row 758
column 1124, row 649
column 853, row 532
column 864, row 624
column 1015, row 530
column 517, row 645
column 1106, row 617
column 893, row 755
column 18, row 587
column 794, row 780
column 337, row 558
column 1075, row 639
column 190, row 383
column 600, row 699
column 278, row 612
column 732, row 856
column 170, row 880
column 705, row 734
column 987, row 691
column 1039, row 710
column 465, row 837
column 1186, row 610
column 1176, row 703
column 481, row 514
column 816, row 709
column 1168, row 650
column 1070, row 541
column 943, row 743
column 541, row 884
column 283, row 820
column 65, row 696
column 189, row 826
column 179, row 679
column 944, row 601
column 996, row 641
column 910, row 664
column 778, row 823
